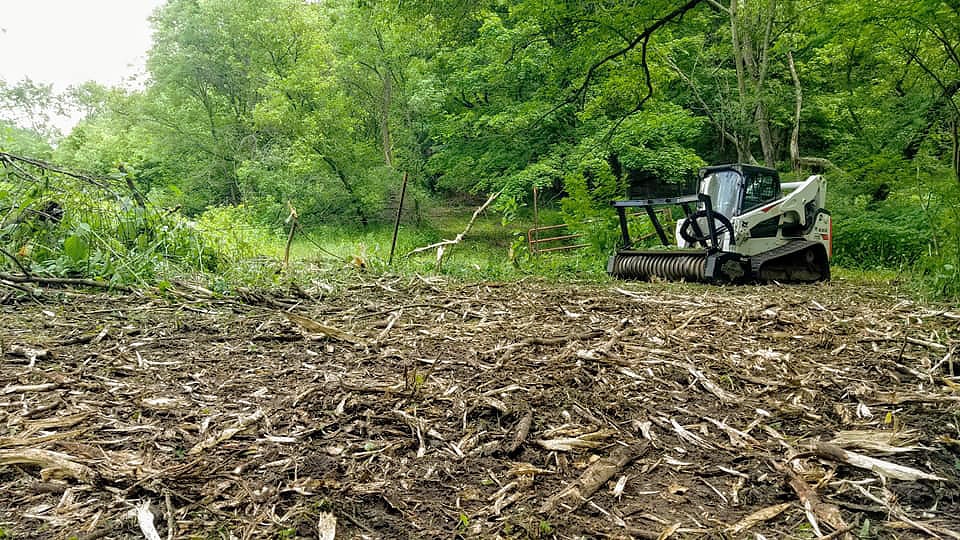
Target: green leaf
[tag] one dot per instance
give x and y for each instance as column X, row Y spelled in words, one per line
column 77, row 248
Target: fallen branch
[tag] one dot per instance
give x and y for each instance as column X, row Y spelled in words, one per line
column 595, row 476
column 509, row 350
column 53, row 465
column 764, row 514
column 171, row 519
column 816, row 509
column 323, row 330
column 440, row 246
column 15, row 286
column 520, row 434
column 6, row 157
column 62, row 281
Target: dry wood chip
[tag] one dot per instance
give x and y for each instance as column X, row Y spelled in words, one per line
column 53, row 465
column 691, row 437
column 593, row 477
column 161, row 403
column 669, row 531
column 764, row 514
column 31, row 354
column 879, row 466
column 6, row 442
column 325, row 331
column 330, row 431
column 55, row 422
column 712, row 387
column 737, row 437
column 326, row 526
column 885, row 442
column 145, row 521
column 587, row 440
column 227, row 433
column 28, row 388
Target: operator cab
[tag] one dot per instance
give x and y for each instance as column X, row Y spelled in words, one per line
column 737, row 189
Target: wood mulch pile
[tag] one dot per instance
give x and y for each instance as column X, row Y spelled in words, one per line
column 388, row 407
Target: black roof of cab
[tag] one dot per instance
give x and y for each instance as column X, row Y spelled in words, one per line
column 742, row 168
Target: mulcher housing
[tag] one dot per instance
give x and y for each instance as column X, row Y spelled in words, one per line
column 739, row 226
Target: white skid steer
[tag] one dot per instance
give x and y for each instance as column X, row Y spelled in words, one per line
column 740, row 226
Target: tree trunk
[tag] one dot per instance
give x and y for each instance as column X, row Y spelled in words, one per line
column 759, row 74
column 385, row 117
column 751, row 55
column 956, row 147
column 738, row 59
column 795, row 134
column 766, row 139
column 744, row 155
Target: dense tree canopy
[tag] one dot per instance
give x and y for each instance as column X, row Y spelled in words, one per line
column 328, row 103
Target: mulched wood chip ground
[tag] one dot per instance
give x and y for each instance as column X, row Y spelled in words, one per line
column 414, row 407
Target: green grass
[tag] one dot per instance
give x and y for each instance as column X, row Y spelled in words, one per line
column 491, row 251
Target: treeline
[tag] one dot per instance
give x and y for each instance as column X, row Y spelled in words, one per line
column 326, row 103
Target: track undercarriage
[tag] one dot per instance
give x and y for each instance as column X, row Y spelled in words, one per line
column 805, row 265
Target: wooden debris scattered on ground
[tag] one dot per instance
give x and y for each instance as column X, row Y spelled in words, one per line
column 422, row 408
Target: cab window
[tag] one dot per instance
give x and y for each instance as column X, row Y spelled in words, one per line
column 761, row 188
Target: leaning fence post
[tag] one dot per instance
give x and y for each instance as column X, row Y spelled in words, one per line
column 294, row 220
column 396, row 223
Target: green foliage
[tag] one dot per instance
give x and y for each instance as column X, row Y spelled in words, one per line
column 31, row 106
column 251, row 106
column 236, row 233
column 76, row 248
column 876, row 241
column 21, row 141
column 105, row 235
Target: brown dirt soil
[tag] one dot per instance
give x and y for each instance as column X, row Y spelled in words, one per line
column 419, row 408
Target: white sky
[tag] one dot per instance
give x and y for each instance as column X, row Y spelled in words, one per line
column 67, row 42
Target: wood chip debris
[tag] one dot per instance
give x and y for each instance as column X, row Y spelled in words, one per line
column 390, row 406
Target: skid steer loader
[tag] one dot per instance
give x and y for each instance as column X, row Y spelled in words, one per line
column 739, row 226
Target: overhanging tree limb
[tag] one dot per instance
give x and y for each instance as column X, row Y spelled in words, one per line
column 642, row 39
column 6, row 157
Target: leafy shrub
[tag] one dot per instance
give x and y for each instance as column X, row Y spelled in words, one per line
column 874, row 241
column 235, row 233
column 939, row 278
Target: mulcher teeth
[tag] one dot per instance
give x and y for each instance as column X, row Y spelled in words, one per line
column 670, row 267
